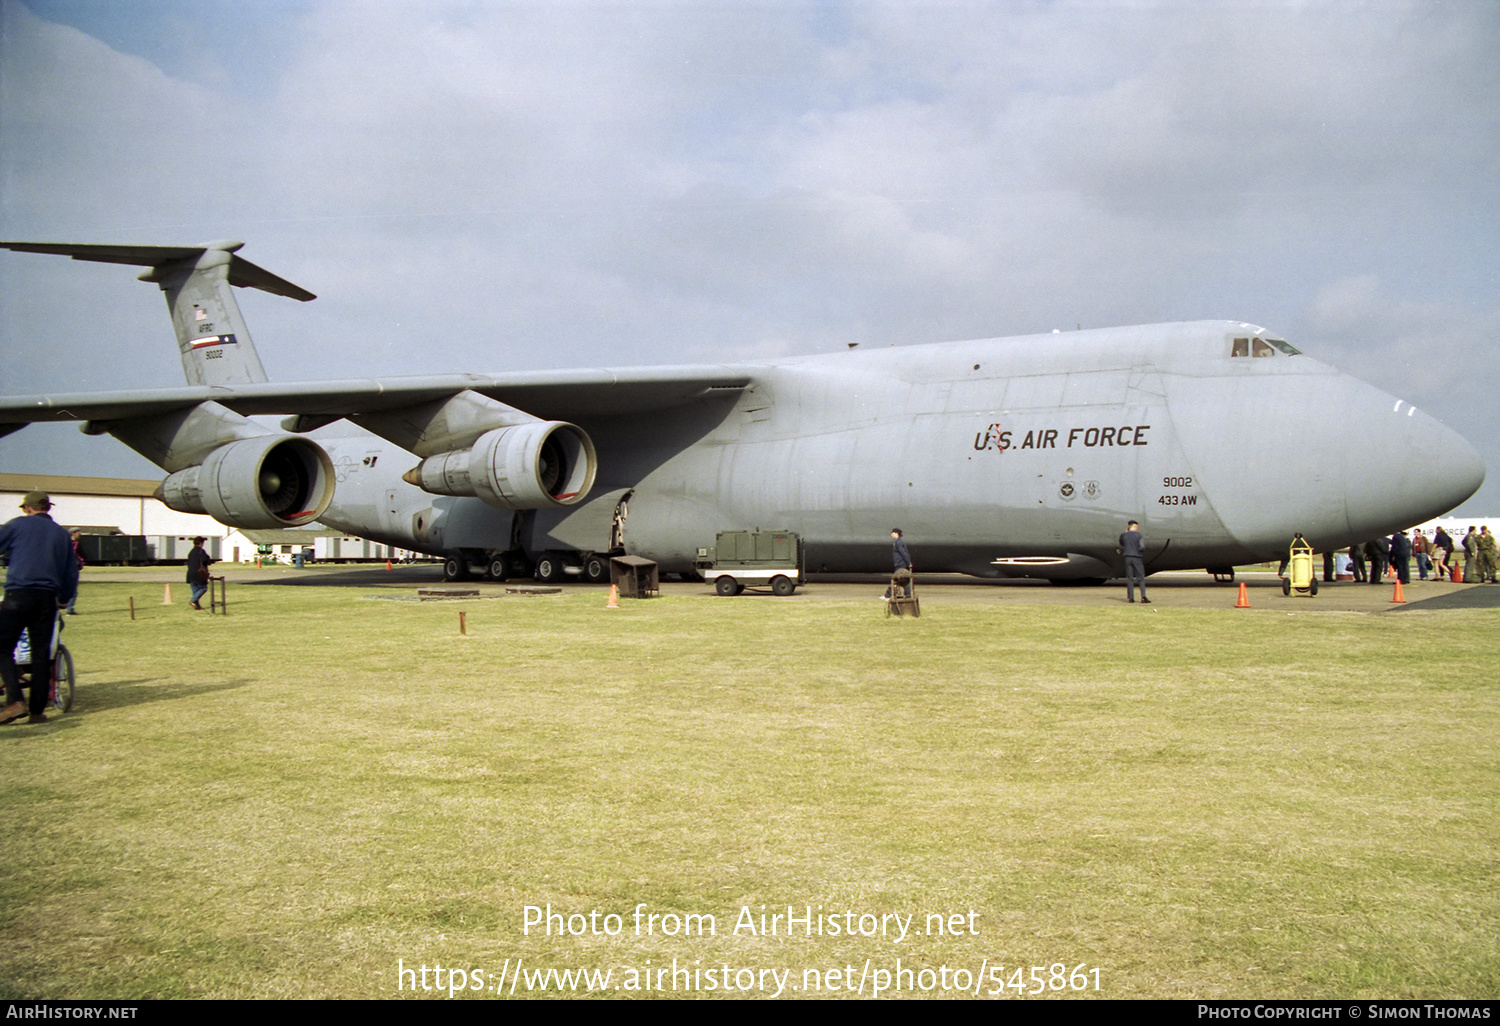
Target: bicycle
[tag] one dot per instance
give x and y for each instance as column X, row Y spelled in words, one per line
column 61, row 687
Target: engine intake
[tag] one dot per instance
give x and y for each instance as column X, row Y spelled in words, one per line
column 266, row 481
column 540, row 465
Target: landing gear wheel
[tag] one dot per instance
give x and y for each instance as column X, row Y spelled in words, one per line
column 549, row 569
column 455, row 568
column 62, row 680
column 782, row 586
column 498, row 569
column 596, row 569
column 727, row 585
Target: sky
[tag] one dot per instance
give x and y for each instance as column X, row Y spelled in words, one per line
column 488, row 186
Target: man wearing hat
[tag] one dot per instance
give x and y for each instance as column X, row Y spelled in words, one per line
column 198, row 562
column 43, row 577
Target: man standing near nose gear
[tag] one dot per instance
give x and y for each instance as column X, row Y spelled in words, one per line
column 1133, row 546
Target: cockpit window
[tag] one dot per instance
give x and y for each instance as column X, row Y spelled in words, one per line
column 1261, row 347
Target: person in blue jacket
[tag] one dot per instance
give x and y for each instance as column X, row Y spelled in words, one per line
column 42, row 578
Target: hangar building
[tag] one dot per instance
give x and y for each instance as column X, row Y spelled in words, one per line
column 126, row 508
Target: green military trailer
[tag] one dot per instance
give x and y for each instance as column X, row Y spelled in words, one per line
column 755, row 559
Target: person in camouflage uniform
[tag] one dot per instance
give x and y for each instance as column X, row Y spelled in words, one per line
column 1488, row 556
column 1471, row 556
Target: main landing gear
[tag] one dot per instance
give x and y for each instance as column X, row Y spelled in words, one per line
column 548, row 567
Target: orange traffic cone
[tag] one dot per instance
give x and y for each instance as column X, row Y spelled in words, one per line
column 388, row 564
column 1244, row 601
column 614, row 597
column 166, row 599
column 1398, row 597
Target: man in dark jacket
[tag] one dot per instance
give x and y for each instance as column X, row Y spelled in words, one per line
column 1133, row 548
column 197, row 571
column 43, row 577
column 901, row 563
column 1401, row 556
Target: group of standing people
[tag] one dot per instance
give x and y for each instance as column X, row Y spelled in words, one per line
column 1382, row 554
column 1435, row 555
column 1481, row 557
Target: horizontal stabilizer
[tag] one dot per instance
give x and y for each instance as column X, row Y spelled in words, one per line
column 242, row 272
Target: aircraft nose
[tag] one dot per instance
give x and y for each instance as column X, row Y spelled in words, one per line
column 1423, row 470
column 1326, row 454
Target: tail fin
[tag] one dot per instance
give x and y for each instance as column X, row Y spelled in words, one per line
column 211, row 333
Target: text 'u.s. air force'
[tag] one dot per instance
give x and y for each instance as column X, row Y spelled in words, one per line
column 997, row 438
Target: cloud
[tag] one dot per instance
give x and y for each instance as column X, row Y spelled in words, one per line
column 1409, row 347
column 494, row 185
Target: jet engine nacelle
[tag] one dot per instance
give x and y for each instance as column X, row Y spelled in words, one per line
column 539, row 465
column 265, row 481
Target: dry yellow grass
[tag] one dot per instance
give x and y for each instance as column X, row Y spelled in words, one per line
column 299, row 798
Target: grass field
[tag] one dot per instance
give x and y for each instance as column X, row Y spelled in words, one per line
column 331, row 785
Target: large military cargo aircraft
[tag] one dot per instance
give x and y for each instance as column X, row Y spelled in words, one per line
column 1000, row 457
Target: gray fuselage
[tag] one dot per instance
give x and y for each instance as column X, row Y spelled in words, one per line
column 1003, row 457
